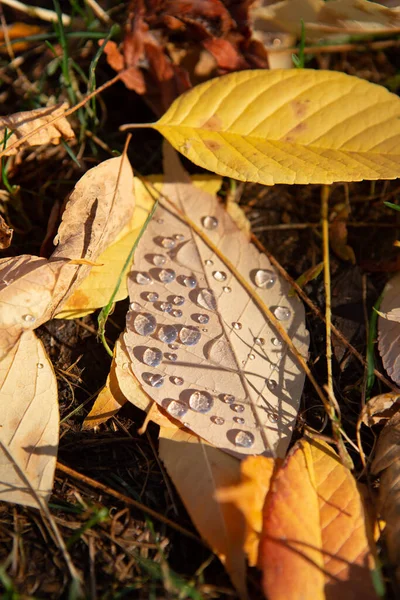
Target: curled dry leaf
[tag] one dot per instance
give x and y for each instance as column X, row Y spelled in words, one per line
column 389, row 328
column 199, row 471
column 6, row 234
column 28, row 423
column 288, row 126
column 316, row 540
column 198, row 343
column 387, row 464
column 22, row 123
column 33, row 289
column 380, row 408
column 249, row 497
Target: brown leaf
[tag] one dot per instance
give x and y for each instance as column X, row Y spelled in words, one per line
column 6, row 234
column 387, row 464
column 225, row 54
column 316, row 540
column 389, row 328
column 338, row 235
column 198, row 472
column 198, row 344
column 28, row 423
column 23, row 123
column 380, row 408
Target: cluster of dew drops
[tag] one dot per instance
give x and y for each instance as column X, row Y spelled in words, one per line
column 145, row 324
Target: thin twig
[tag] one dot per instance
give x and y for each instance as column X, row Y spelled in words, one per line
column 36, row 12
column 325, row 193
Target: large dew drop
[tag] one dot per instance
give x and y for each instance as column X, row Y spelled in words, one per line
column 282, row 313
column 227, row 398
column 190, row 282
column 167, row 334
column 200, row 402
column 209, row 222
column 168, row 243
column 219, row 275
column 152, row 357
column 166, row 306
column 206, row 299
column 177, row 409
column 159, row 260
column 244, row 439
column 155, row 380
column 178, row 300
column 189, row 336
column 177, row 313
column 217, row 420
column 144, row 324
column 264, row 279
column 166, row 275
column 143, row 279
column 238, row 408
column 152, row 296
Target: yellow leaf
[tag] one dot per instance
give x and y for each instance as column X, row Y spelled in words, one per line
column 198, row 472
column 95, row 291
column 317, row 538
column 296, row 126
column 249, row 497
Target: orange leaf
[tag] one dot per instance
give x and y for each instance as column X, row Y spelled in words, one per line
column 316, row 541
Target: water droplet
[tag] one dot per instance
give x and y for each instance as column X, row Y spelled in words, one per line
column 204, row 330
column 171, row 357
column 227, row 289
column 227, row 398
column 144, row 323
column 28, row 318
column 173, row 346
column 244, row 439
column 179, row 237
column 208, row 263
column 200, row 402
column 155, row 380
column 160, row 221
column 186, row 424
column 219, row 275
column 209, row 222
column 179, row 300
column 143, row 279
column 239, row 408
column 251, row 357
column 190, row 282
column 259, row 341
column 189, row 336
column 271, row 384
column 166, row 306
column 206, row 299
column 177, row 380
column 237, row 326
column 282, row 313
column 264, row 279
column 168, row 243
column 152, row 357
column 218, row 420
column 177, row 409
column 239, row 420
column 152, row 296
column 167, row 334
column 176, row 313
column 277, row 342
column 40, row 365
column 125, row 366
column 135, row 306
column 203, row 319
column 159, row 260
column 273, row 417
column 166, row 275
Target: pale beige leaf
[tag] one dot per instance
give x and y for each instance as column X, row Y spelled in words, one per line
column 29, row 422
column 22, row 123
column 223, row 372
column 389, row 328
column 387, row 464
column 198, row 471
column 32, row 289
column 127, row 382
column 380, row 408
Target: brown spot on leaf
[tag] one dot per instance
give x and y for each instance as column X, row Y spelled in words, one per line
column 299, row 107
column 212, row 145
column 78, row 300
column 214, row 123
column 293, row 133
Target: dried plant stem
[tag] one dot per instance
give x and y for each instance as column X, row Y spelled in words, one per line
column 129, row 501
column 37, row 13
column 99, row 12
column 325, row 193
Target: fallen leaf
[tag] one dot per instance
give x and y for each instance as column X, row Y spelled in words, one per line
column 309, row 275
column 287, row 126
column 96, row 290
column 389, row 328
column 126, row 381
column 316, row 541
column 249, row 497
column 387, row 465
column 29, row 423
column 199, row 345
column 20, row 124
column 380, row 408
column 198, row 471
column 17, row 30
column 6, row 234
